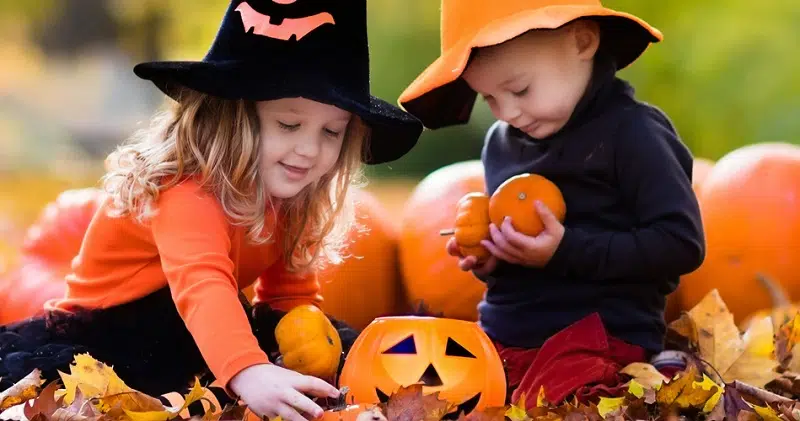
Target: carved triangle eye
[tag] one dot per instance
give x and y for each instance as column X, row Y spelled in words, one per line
column 406, row 346
column 454, row 349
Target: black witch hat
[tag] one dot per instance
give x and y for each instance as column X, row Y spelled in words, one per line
column 316, row 49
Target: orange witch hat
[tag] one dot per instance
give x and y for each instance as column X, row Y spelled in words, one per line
column 439, row 97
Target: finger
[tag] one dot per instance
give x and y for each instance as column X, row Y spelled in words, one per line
column 467, row 263
column 501, row 243
column 287, row 413
column 302, row 403
column 452, row 247
column 548, row 218
column 487, row 267
column 315, row 386
column 515, row 238
column 500, row 254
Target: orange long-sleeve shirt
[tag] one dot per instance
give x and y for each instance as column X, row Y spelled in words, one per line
column 190, row 246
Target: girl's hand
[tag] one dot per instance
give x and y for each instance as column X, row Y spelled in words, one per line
column 471, row 262
column 271, row 391
column 517, row 248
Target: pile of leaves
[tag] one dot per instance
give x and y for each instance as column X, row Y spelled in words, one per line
column 729, row 376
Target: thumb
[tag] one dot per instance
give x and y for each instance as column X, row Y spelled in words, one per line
column 548, row 218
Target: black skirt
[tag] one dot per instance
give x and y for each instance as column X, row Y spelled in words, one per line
column 145, row 341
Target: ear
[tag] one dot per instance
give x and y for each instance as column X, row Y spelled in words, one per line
column 587, row 38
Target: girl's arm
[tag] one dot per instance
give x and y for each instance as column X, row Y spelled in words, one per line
column 193, row 239
column 284, row 290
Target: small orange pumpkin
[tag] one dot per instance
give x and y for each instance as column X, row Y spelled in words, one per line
column 515, row 198
column 472, row 225
column 308, row 342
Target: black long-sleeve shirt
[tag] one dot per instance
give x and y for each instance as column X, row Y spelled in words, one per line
column 632, row 225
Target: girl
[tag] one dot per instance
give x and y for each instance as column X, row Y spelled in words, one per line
column 244, row 179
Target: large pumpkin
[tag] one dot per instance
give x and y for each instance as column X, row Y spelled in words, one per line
column 430, row 275
column 452, row 357
column 750, row 204
column 700, row 170
column 48, row 248
column 367, row 284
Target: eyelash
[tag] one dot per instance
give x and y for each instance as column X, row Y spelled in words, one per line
column 289, row 127
column 522, row 92
column 293, row 127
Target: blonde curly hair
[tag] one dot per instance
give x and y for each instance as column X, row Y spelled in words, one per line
column 218, row 141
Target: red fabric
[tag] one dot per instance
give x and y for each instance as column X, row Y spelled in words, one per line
column 581, row 359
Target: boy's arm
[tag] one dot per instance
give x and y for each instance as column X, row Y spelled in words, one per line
column 669, row 239
column 194, row 243
column 283, row 290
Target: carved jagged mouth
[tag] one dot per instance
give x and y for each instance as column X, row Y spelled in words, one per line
column 465, row 407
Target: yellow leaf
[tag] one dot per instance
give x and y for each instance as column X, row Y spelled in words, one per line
column 21, row 391
column 645, row 374
column 734, row 356
column 148, row 415
column 518, row 412
column 607, row 405
column 635, row 389
column 766, row 413
column 717, row 335
column 99, row 381
column 541, row 398
column 708, row 384
column 752, row 366
column 760, row 333
column 195, row 394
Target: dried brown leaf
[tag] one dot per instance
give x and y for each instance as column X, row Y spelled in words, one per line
column 489, row 414
column 45, row 404
column 787, row 336
column 410, row 404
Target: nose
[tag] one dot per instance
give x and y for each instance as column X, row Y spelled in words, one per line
column 430, row 377
column 308, row 147
column 507, row 111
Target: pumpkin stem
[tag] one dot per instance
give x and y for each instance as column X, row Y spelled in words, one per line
column 450, row 231
column 775, row 290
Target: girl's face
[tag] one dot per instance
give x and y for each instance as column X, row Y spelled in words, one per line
column 301, row 140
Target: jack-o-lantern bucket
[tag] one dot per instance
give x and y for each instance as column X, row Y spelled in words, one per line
column 452, row 357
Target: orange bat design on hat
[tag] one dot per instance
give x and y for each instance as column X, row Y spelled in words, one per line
column 287, row 28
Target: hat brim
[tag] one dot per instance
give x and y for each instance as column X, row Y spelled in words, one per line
column 394, row 132
column 439, row 97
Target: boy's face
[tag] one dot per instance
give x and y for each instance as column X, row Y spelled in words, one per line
column 534, row 81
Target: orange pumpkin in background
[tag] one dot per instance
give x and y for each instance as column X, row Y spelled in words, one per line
column 452, row 357
column 516, row 197
column 750, row 204
column 700, row 169
column 48, row 248
column 367, row 284
column 429, row 274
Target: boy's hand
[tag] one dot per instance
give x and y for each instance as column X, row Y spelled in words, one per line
column 517, row 248
column 471, row 262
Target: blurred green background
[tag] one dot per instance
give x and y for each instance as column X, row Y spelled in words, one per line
column 726, row 73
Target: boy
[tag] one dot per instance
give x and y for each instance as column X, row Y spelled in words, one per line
column 569, row 308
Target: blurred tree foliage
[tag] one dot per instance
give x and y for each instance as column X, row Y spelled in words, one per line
column 726, row 72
